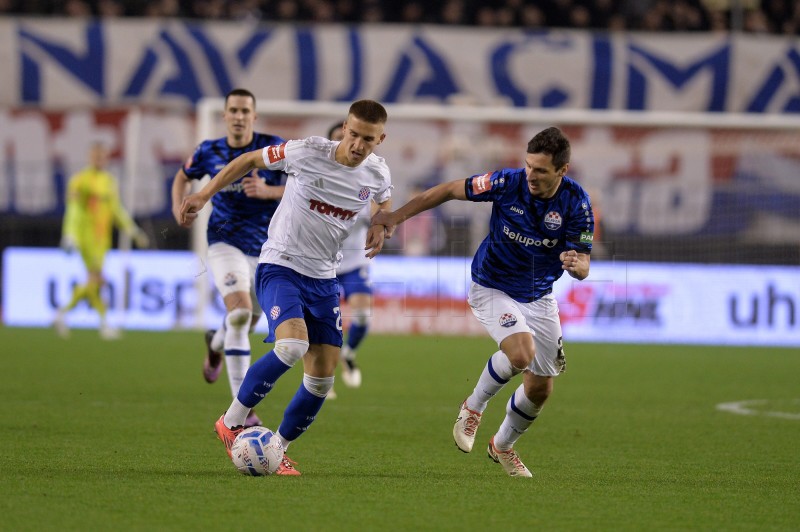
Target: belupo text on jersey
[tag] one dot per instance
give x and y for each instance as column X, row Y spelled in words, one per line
column 526, row 240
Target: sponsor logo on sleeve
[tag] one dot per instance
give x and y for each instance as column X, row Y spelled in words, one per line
column 586, row 238
column 481, row 184
column 276, row 153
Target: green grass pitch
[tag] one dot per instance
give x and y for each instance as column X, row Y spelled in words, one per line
column 118, row 436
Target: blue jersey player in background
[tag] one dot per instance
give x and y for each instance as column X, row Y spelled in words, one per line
column 236, row 230
column 541, row 226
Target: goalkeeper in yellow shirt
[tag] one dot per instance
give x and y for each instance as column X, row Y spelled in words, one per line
column 92, row 210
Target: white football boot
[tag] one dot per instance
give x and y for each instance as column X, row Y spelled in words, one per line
column 466, row 426
column 509, row 460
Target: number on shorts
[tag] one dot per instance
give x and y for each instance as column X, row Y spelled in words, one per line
column 337, row 311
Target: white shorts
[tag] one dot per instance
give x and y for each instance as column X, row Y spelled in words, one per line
column 502, row 316
column 233, row 271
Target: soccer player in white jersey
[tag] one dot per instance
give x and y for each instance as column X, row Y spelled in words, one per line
column 236, row 230
column 354, row 280
column 329, row 183
column 541, row 226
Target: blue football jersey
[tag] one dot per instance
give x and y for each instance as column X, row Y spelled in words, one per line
column 520, row 255
column 236, row 219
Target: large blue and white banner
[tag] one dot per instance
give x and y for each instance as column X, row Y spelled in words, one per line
column 620, row 302
column 59, row 63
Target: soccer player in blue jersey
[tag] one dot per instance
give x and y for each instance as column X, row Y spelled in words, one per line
column 329, row 183
column 541, row 226
column 236, row 230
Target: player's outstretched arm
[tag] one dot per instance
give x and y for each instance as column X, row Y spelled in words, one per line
column 243, row 164
column 433, row 197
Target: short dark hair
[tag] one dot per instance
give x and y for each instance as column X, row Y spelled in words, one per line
column 369, row 111
column 240, row 92
column 552, row 142
column 334, row 127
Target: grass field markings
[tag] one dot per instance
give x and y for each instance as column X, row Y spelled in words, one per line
column 743, row 408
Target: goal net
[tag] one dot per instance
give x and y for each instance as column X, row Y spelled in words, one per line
column 673, row 187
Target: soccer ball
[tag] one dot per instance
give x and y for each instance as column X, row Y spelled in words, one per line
column 257, row 451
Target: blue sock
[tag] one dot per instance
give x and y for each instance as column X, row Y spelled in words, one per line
column 356, row 334
column 260, row 378
column 300, row 413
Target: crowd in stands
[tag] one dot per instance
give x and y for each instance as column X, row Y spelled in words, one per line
column 752, row 16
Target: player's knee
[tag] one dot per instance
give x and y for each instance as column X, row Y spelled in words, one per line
column 238, row 318
column 520, row 360
column 361, row 317
column 319, row 386
column 290, row 350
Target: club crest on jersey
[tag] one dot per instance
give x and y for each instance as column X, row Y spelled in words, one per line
column 508, row 320
column 230, row 279
column 481, row 184
column 276, row 153
column 274, row 312
column 552, row 220
column 363, row 194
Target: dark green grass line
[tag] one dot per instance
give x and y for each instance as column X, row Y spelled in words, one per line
column 118, row 436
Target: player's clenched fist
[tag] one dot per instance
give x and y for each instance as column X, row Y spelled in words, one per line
column 190, row 206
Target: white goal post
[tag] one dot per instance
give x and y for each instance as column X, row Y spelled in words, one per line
column 667, row 180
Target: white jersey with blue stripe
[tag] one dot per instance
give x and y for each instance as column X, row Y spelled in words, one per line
column 320, row 205
column 520, row 255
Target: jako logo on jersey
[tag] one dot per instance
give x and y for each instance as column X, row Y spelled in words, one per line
column 508, row 320
column 274, row 312
column 552, row 220
column 528, row 240
column 481, row 184
column 363, row 193
column 324, row 208
column 517, row 210
column 230, row 279
column 276, row 153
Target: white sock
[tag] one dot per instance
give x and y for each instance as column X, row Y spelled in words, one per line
column 237, row 347
column 347, row 353
column 236, row 414
column 488, row 385
column 237, row 366
column 218, row 341
column 284, row 441
column 520, row 413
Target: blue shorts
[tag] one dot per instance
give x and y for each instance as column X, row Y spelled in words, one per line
column 284, row 294
column 355, row 282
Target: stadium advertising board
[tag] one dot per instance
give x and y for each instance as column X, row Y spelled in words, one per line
column 85, row 62
column 620, row 302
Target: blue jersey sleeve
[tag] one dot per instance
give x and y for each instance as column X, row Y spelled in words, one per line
column 580, row 226
column 487, row 187
column 196, row 166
